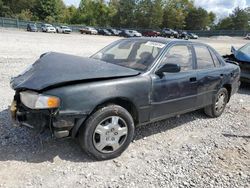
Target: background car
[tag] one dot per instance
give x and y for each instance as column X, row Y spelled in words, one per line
column 48, row 28
column 151, row 33
column 135, row 33
column 193, row 36
column 166, row 32
column 63, row 29
column 32, row 27
column 114, row 32
column 104, row 32
column 242, row 57
column 88, row 30
column 130, row 33
column 183, row 35
column 247, row 36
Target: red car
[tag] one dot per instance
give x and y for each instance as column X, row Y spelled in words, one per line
column 151, row 33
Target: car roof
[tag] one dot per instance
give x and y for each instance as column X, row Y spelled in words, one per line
column 158, row 39
column 166, row 40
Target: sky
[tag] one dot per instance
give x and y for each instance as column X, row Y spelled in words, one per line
column 221, row 8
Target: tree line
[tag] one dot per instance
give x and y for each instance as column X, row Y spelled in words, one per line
column 154, row 14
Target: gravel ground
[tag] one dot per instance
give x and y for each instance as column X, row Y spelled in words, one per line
column 187, row 151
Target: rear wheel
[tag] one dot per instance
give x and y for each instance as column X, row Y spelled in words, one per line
column 219, row 104
column 107, row 133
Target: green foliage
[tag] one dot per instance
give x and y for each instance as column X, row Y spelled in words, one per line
column 199, row 19
column 224, row 24
column 49, row 10
column 125, row 15
column 148, row 14
column 25, row 15
column 240, row 19
column 4, row 9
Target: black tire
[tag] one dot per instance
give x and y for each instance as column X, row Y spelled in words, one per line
column 213, row 110
column 88, row 131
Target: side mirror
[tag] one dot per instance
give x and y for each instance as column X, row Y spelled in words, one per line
column 169, row 67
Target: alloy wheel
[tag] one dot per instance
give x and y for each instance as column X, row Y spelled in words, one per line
column 220, row 102
column 110, row 134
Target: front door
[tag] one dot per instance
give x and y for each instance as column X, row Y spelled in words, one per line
column 174, row 93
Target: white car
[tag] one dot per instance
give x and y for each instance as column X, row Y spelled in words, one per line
column 48, row 28
column 63, row 29
column 89, row 30
column 92, row 30
column 136, row 33
column 248, row 36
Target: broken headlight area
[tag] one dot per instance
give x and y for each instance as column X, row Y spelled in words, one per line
column 40, row 112
column 34, row 100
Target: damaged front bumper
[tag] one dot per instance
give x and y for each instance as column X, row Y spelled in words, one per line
column 60, row 125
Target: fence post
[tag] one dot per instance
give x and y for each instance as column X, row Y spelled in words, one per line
column 2, row 22
column 17, row 23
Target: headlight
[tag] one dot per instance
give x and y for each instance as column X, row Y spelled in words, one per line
column 34, row 100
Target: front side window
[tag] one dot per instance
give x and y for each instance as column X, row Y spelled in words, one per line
column 181, row 55
column 135, row 54
column 204, row 59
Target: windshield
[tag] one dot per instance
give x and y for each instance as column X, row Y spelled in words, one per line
column 135, row 54
column 245, row 49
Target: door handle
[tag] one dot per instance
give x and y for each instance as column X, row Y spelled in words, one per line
column 193, row 79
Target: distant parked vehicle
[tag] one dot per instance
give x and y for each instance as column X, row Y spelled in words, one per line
column 193, row 36
column 166, row 32
column 48, row 28
column 32, row 27
column 183, row 35
column 151, row 33
column 130, row 33
column 247, row 36
column 88, row 30
column 114, row 32
column 63, row 29
column 104, row 32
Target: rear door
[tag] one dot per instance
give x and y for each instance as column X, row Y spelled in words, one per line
column 209, row 74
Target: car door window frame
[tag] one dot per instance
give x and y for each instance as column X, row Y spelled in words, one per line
column 195, row 60
column 214, row 56
column 169, row 48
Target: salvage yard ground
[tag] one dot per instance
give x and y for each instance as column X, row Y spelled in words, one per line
column 187, row 151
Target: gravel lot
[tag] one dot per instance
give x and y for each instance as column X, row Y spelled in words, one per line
column 188, row 151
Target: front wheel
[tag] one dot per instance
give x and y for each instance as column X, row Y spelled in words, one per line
column 219, row 104
column 107, row 133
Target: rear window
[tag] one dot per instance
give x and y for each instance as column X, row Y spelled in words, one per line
column 216, row 60
column 204, row 59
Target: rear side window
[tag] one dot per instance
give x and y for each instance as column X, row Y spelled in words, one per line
column 181, row 55
column 204, row 59
column 216, row 60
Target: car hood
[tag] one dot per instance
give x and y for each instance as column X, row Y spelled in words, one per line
column 57, row 69
column 242, row 56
